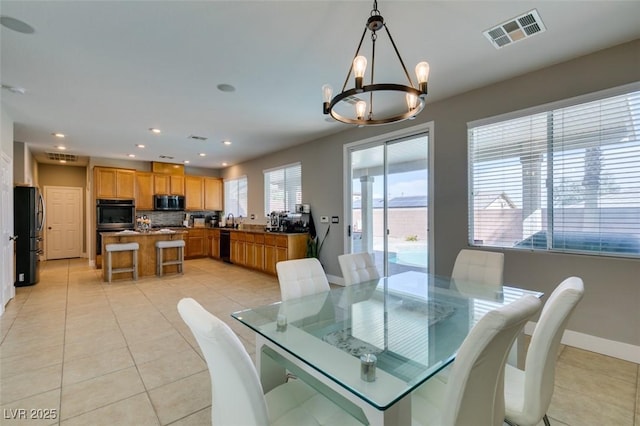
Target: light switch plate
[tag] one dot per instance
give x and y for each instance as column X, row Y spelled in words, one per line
column 335, row 219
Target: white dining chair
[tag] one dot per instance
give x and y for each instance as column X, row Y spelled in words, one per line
column 301, row 277
column 236, row 392
column 358, row 267
column 474, row 392
column 528, row 392
column 478, row 267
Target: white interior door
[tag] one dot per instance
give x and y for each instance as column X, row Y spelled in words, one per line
column 63, row 227
column 7, row 250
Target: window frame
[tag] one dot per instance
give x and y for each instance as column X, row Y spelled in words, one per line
column 551, row 243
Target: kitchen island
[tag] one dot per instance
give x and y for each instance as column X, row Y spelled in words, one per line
column 146, row 253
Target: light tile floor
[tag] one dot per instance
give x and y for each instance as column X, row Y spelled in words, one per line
column 104, row 354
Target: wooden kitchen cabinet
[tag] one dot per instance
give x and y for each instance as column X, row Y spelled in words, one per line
column 255, row 251
column 213, row 237
column 281, row 247
column 203, row 193
column 114, row 183
column 238, row 246
column 195, row 243
column 194, row 192
column 144, row 191
column 212, row 193
column 168, row 184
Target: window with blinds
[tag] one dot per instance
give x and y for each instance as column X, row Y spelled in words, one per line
column 235, row 196
column 563, row 179
column 282, row 188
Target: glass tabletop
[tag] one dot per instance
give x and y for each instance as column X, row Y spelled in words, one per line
column 412, row 322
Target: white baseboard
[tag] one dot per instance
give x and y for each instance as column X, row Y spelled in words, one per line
column 596, row 344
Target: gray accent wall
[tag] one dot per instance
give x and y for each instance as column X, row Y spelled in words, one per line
column 611, row 306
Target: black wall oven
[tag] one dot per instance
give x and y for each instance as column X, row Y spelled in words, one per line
column 113, row 215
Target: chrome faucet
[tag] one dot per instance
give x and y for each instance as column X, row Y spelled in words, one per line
column 230, row 215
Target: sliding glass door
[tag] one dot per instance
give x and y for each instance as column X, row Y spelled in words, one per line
column 389, row 193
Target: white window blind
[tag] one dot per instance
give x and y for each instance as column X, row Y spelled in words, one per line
column 235, row 196
column 282, row 188
column 563, row 179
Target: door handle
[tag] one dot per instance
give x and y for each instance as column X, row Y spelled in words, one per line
column 13, row 237
column 48, row 227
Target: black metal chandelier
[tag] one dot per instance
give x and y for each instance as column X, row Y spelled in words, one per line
column 393, row 108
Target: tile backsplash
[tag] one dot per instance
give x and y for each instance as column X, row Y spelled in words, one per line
column 168, row 218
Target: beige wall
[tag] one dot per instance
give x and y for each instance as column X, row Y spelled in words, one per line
column 610, row 307
column 25, row 171
column 6, row 133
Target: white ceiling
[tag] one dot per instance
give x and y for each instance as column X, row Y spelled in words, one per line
column 104, row 72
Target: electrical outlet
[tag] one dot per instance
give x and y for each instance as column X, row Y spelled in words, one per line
column 324, row 219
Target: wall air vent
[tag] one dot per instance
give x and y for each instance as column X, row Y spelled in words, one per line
column 166, row 157
column 198, row 138
column 515, row 29
column 56, row 156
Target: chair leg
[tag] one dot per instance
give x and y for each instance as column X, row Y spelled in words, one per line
column 545, row 419
column 160, row 260
column 135, row 265
column 109, row 267
column 181, row 254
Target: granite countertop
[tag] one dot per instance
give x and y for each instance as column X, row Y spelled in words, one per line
column 143, row 234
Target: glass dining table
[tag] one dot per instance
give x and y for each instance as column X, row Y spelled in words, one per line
column 368, row 346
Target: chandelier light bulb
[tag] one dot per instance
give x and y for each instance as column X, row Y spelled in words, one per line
column 327, row 92
column 359, row 67
column 412, row 101
column 422, row 72
column 361, row 108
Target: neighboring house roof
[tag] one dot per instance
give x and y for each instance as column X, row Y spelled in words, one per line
column 396, row 202
column 485, row 200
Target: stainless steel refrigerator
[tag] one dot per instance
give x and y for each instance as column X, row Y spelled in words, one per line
column 28, row 223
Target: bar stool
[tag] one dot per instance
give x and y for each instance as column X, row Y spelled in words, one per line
column 160, row 263
column 133, row 247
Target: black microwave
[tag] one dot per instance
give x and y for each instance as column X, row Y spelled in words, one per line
column 168, row 202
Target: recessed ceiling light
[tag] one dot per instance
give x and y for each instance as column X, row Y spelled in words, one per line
column 224, row 164
column 61, row 147
column 132, row 155
column 140, row 145
column 226, row 142
column 16, row 25
column 63, row 161
column 154, row 130
column 14, row 89
column 58, row 135
column 202, row 154
column 186, row 161
column 226, row 87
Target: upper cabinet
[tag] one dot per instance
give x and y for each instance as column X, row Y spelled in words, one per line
column 213, row 194
column 193, row 192
column 203, row 193
column 114, row 183
column 144, row 191
column 168, row 184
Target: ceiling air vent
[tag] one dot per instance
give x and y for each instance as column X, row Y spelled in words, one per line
column 166, row 157
column 198, row 138
column 56, row 156
column 515, row 29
